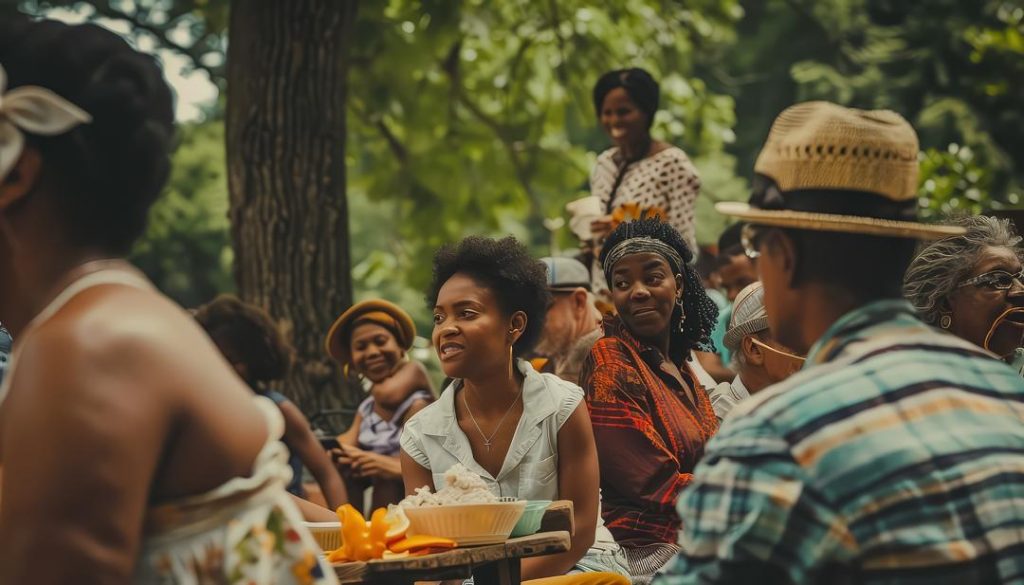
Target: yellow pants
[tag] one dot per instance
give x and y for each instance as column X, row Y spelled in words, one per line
column 581, row 579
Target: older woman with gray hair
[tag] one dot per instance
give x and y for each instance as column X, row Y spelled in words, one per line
column 973, row 286
column 758, row 358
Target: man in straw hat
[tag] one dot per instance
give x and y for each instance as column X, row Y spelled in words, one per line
column 759, row 359
column 896, row 454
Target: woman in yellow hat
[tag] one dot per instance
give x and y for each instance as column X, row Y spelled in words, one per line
column 373, row 338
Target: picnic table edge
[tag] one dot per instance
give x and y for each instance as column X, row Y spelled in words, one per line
column 523, row 547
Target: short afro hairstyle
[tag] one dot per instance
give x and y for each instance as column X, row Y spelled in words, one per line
column 639, row 85
column 108, row 172
column 516, row 279
column 700, row 311
column 252, row 335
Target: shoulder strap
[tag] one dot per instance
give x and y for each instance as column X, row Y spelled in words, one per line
column 100, row 277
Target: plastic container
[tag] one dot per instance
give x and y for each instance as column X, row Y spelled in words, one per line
column 327, row 534
column 467, row 524
column 529, row 522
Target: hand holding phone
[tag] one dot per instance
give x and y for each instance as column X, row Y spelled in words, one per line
column 329, row 443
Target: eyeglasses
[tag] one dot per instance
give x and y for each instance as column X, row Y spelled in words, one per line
column 748, row 238
column 996, row 279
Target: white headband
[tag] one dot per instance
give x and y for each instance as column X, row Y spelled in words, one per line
column 31, row 109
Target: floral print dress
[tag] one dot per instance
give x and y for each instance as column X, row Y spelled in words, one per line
column 246, row 532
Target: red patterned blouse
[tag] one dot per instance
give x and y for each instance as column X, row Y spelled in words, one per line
column 649, row 434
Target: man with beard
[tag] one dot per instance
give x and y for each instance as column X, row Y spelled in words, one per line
column 573, row 322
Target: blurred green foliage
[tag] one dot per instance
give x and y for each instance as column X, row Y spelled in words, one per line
column 186, row 249
column 476, row 117
column 953, row 68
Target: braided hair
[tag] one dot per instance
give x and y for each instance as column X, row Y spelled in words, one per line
column 700, row 311
column 107, row 173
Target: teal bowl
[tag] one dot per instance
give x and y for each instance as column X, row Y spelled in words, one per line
column 529, row 522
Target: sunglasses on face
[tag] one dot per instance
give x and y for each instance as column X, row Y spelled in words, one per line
column 995, row 279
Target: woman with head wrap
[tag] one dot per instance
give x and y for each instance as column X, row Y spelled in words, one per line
column 973, row 286
column 638, row 169
column 373, row 338
column 651, row 418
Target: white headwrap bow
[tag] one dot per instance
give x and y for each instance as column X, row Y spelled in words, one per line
column 31, row 109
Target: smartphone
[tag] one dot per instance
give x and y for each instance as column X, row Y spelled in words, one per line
column 329, row 443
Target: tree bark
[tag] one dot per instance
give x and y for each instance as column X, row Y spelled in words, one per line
column 287, row 71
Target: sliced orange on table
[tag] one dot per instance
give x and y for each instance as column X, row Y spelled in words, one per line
column 415, row 544
column 382, row 537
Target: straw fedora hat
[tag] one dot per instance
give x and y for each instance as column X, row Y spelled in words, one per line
column 379, row 311
column 830, row 156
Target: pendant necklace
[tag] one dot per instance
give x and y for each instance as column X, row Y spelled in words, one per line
column 488, row 440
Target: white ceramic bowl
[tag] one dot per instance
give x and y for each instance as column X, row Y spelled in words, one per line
column 467, row 524
column 327, row 534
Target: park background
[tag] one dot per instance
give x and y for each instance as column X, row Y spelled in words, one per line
column 326, row 148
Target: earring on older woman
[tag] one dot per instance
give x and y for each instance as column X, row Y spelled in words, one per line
column 945, row 321
column 682, row 315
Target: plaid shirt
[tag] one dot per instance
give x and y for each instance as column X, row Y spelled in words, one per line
column 895, row 456
column 648, row 431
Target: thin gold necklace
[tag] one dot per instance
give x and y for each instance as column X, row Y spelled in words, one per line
column 487, row 440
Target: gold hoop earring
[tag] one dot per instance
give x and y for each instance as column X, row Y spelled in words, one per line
column 946, row 321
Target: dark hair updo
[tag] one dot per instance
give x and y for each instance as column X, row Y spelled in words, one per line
column 516, row 279
column 638, row 83
column 108, row 172
column 700, row 311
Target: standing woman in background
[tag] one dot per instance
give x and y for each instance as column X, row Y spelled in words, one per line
column 638, row 169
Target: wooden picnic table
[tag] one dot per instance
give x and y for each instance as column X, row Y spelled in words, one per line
column 490, row 564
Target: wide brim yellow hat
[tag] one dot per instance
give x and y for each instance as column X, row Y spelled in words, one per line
column 379, row 311
column 826, row 148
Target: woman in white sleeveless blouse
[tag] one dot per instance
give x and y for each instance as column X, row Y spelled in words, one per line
column 131, row 452
column 527, row 435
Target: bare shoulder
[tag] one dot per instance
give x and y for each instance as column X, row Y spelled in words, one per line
column 113, row 334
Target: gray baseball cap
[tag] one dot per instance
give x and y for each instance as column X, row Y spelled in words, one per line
column 566, row 273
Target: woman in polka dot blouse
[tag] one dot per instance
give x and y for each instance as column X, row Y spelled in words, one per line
column 638, row 169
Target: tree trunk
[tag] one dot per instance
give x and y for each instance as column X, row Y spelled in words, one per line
column 287, row 83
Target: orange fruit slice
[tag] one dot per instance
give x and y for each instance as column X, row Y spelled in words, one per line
column 398, row 523
column 422, row 541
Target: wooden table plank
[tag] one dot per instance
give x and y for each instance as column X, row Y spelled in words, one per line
column 559, row 516
column 425, row 567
